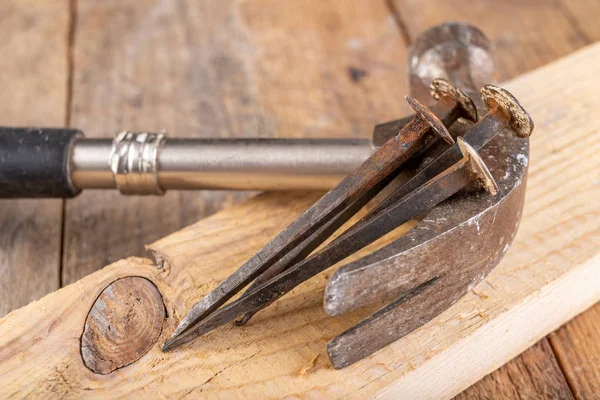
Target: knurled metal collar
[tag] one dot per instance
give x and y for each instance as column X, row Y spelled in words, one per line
column 134, row 162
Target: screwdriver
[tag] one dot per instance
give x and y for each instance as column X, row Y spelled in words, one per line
column 59, row 162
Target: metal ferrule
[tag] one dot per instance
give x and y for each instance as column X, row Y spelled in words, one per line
column 144, row 163
column 134, row 162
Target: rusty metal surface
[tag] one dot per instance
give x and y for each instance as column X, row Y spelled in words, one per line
column 383, row 163
column 438, row 242
column 459, row 242
column 469, row 169
column 477, row 136
column 441, row 259
column 446, row 94
column 446, row 254
column 449, row 252
column 459, row 53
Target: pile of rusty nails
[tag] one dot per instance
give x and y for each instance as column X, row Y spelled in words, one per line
column 290, row 258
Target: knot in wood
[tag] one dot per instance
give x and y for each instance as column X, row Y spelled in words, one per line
column 122, row 325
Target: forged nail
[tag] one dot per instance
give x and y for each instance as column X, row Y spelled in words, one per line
column 504, row 111
column 441, row 90
column 355, row 187
column 469, row 169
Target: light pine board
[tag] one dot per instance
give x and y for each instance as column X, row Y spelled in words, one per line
column 551, row 273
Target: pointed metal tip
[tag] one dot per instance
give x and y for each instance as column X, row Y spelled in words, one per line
column 169, row 344
column 174, row 341
column 242, row 321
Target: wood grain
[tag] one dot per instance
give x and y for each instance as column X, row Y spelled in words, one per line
column 554, row 257
column 525, row 35
column 535, row 374
column 123, row 324
column 577, row 346
column 33, row 78
column 581, row 15
column 219, row 69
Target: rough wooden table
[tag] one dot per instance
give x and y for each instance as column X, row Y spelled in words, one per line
column 243, row 68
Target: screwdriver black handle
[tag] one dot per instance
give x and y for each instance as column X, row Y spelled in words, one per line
column 35, row 162
column 46, row 162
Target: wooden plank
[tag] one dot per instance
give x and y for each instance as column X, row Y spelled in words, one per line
column 551, row 273
column 581, row 14
column 525, row 34
column 33, row 79
column 577, row 346
column 535, row 374
column 219, row 69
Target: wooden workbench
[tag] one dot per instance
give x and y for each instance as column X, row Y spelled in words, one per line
column 242, row 68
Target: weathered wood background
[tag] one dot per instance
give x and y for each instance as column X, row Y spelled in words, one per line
column 243, row 68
